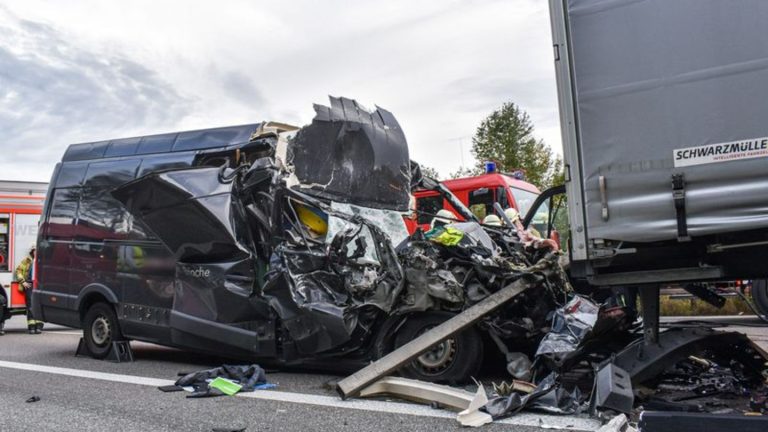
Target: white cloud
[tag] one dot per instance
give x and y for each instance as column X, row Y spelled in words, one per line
column 142, row 67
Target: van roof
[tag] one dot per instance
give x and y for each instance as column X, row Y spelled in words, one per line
column 200, row 139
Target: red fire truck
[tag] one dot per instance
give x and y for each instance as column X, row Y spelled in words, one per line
column 479, row 193
column 20, row 206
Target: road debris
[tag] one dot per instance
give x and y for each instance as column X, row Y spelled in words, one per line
column 472, row 416
column 620, row 423
column 420, row 391
column 224, row 380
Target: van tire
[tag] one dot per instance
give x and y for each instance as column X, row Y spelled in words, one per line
column 100, row 329
column 456, row 360
column 760, row 296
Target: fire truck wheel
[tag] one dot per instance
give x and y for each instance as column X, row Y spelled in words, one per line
column 760, row 296
column 100, row 329
column 455, row 360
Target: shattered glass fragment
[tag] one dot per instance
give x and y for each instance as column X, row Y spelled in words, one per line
column 390, row 222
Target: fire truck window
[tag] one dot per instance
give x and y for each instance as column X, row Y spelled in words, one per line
column 501, row 197
column 4, row 233
column 524, row 200
column 481, row 202
column 427, row 207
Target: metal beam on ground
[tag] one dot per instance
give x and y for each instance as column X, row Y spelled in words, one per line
column 353, row 384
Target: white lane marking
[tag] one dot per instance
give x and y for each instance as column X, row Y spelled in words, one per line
column 78, row 373
column 525, row 419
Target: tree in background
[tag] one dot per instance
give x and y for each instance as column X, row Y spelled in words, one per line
column 506, row 137
column 429, row 172
column 466, row 172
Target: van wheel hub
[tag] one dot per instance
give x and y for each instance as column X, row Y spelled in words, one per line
column 439, row 358
column 101, row 331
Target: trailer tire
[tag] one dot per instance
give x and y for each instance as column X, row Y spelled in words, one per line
column 455, row 360
column 100, row 329
column 760, row 296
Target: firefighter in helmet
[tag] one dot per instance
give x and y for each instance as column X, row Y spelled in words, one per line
column 443, row 217
column 24, row 275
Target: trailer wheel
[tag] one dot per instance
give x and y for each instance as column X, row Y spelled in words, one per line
column 456, row 359
column 760, row 295
column 100, row 329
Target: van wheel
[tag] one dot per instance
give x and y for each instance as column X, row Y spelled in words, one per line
column 100, row 329
column 456, row 359
column 760, row 296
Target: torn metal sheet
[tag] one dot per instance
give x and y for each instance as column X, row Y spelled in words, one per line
column 351, row 155
column 194, row 212
column 429, row 280
column 321, row 290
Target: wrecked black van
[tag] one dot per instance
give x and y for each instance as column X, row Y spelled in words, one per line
column 267, row 241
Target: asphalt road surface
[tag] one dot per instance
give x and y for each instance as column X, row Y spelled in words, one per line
column 82, row 394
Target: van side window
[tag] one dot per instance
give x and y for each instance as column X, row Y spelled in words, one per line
column 427, row 207
column 100, row 215
column 62, row 214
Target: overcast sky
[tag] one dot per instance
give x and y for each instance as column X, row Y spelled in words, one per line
column 83, row 70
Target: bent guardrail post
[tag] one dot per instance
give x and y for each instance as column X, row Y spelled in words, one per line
column 353, row 384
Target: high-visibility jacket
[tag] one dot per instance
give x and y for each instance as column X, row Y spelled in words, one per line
column 24, row 272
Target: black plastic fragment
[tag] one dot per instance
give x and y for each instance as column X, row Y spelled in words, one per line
column 351, row 155
column 33, row 399
column 613, row 389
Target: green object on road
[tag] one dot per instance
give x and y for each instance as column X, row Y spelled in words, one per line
column 226, row 386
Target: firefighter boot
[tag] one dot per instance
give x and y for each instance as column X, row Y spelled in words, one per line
column 2, row 328
column 31, row 328
column 38, row 328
